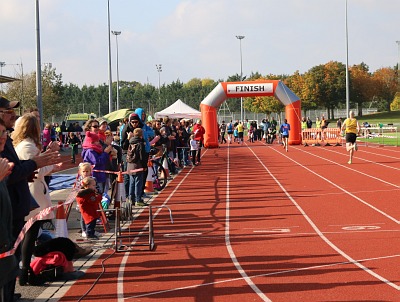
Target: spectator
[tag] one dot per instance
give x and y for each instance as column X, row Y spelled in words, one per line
column 26, row 140
column 127, row 134
column 92, row 152
column 222, row 130
column 309, row 123
column 136, row 159
column 17, row 182
column 8, row 265
column 199, row 131
column 194, row 146
column 74, row 142
column 89, row 200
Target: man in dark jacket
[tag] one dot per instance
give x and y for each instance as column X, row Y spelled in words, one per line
column 17, row 182
column 126, row 135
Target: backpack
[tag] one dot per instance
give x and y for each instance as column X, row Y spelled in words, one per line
column 133, row 156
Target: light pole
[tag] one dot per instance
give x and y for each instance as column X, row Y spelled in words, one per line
column 110, row 100
column 117, row 33
column 159, row 69
column 347, row 65
column 241, row 75
column 38, row 68
column 398, row 68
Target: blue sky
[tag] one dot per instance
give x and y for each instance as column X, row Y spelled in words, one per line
column 196, row 38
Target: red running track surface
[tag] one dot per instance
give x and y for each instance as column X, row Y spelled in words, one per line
column 256, row 223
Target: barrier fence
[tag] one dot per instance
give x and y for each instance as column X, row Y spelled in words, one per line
column 321, row 137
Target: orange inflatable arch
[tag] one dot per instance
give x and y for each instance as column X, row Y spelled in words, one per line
column 226, row 90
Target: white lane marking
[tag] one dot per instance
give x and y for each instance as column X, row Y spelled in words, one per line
column 369, row 161
column 235, row 261
column 120, row 280
column 314, row 226
column 342, row 189
column 261, row 276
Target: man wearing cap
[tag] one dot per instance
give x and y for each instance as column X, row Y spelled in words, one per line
column 17, row 182
column 126, row 135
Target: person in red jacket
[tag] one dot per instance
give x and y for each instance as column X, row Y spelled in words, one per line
column 199, row 131
column 89, row 200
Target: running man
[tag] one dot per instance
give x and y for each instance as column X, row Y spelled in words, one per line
column 352, row 128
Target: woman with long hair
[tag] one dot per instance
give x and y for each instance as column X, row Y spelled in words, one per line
column 26, row 140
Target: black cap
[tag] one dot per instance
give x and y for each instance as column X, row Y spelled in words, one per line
column 4, row 103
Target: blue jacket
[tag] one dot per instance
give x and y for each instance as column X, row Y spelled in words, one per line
column 148, row 132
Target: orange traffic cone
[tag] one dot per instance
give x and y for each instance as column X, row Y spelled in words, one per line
column 165, row 166
column 149, row 188
column 61, row 221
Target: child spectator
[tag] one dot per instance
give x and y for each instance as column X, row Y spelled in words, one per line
column 89, row 201
column 93, row 153
column 136, row 159
column 74, row 142
column 46, row 136
column 193, row 149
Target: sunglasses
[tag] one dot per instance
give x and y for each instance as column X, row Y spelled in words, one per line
column 95, row 126
column 134, row 122
column 7, row 111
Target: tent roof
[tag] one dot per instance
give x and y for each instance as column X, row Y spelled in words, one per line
column 117, row 115
column 4, row 79
column 179, row 110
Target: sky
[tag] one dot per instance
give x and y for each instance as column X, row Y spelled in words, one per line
column 195, row 38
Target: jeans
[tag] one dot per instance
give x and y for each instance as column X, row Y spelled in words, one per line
column 136, row 186
column 90, row 228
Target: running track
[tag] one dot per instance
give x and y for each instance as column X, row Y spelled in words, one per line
column 256, row 223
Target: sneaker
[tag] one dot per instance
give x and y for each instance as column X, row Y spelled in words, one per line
column 140, row 204
column 349, row 162
column 83, row 235
column 92, row 237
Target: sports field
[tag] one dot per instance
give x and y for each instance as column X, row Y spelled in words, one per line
column 256, row 223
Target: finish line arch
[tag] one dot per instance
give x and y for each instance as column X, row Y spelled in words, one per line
column 225, row 90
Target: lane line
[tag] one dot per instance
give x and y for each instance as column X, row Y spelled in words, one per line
column 235, row 261
column 120, row 279
column 314, row 226
column 290, row 271
column 339, row 187
column 366, row 160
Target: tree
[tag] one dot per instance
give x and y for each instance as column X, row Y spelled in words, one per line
column 386, row 82
column 362, row 86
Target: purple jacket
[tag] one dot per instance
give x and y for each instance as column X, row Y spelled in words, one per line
column 99, row 160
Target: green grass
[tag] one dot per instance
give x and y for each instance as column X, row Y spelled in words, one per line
column 384, row 118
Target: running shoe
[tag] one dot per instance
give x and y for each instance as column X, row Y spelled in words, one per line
column 140, row 204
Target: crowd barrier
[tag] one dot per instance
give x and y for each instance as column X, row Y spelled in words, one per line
column 321, row 137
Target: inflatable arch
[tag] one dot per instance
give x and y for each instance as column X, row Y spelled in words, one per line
column 226, row 90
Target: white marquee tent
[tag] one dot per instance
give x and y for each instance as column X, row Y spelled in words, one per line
column 179, row 110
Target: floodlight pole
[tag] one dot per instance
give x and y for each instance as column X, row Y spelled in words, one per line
column 347, row 65
column 241, row 76
column 398, row 68
column 159, row 69
column 117, row 33
column 110, row 97
column 38, row 68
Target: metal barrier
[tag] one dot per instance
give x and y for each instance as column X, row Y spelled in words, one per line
column 133, row 235
column 318, row 137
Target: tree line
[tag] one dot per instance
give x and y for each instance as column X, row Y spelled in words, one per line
column 321, row 87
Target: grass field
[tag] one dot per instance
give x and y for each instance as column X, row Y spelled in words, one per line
column 380, row 136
